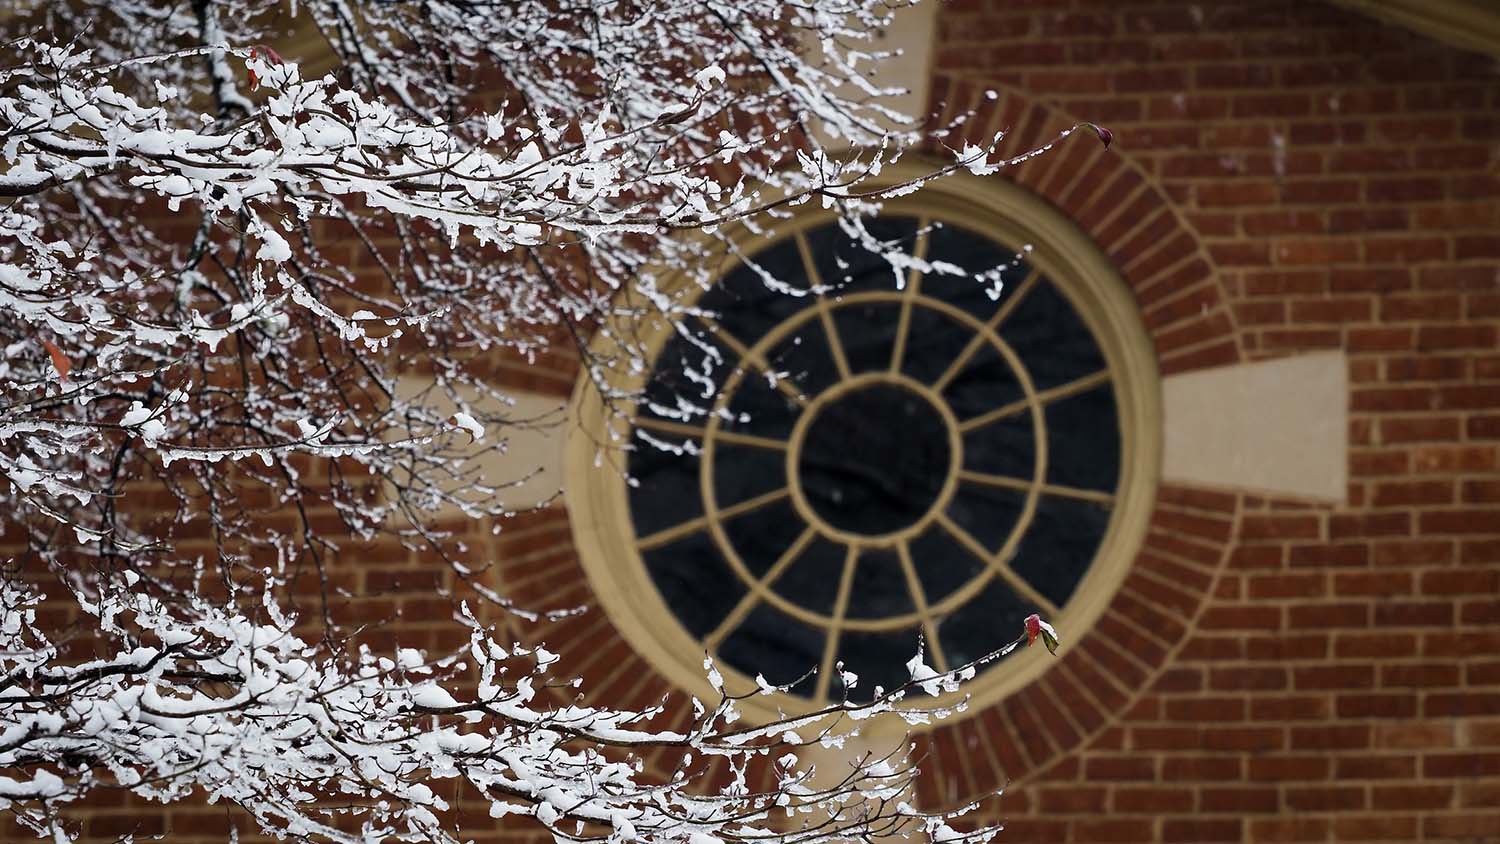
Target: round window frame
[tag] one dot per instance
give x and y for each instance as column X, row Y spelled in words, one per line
column 599, row 510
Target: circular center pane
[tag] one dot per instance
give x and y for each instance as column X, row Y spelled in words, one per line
column 875, row 459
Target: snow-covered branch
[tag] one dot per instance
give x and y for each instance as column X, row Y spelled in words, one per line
column 217, row 279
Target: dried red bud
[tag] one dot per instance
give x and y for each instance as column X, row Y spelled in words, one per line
column 60, row 361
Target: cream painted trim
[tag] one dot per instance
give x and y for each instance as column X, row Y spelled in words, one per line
column 524, row 460
column 1279, row 427
column 596, row 491
column 913, row 31
column 1468, row 24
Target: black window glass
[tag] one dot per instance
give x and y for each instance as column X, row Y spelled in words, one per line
column 1085, row 434
column 746, row 471
column 745, row 306
column 695, row 581
column 848, row 266
column 868, row 656
column 1051, row 338
column 812, row 580
column 1059, row 545
column 879, row 589
column 776, row 646
column 858, row 451
column 761, row 536
column 1004, row 447
column 664, row 481
column 988, row 622
column 867, row 331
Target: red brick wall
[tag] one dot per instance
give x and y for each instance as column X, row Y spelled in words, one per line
column 1287, row 177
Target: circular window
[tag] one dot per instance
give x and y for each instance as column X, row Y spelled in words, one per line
column 827, row 475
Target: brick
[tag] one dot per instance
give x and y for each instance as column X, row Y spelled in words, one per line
column 1291, row 708
column 1461, row 765
column 1377, row 584
column 1466, row 827
column 1239, row 800
column 1152, row 800
column 1478, row 520
column 1414, row 493
column 1443, row 460
column 1461, row 582
column 1380, row 767
column 1444, row 337
column 1318, row 251
column 1288, row 829
column 1241, row 618
column 1375, row 827
column 1414, row 553
column 1286, row 586
column 1427, row 369
column 1072, row 799
column 1418, row 676
column 1376, row 706
column 1369, row 524
column 1334, row 677
column 1326, row 799
column 1367, row 340
column 1280, row 526
column 1119, row 768
column 1418, row 429
column 1407, row 614
column 1299, row 644
column 1200, row 710
column 1467, row 704
column 1289, row 768
column 1340, row 555
column 1381, row 645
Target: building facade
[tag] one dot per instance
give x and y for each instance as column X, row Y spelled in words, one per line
column 1227, row 410
column 1295, row 638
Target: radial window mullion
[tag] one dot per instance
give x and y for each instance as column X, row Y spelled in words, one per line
column 919, row 599
column 909, row 295
column 835, row 627
column 1015, row 581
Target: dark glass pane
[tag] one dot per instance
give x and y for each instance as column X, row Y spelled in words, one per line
column 1051, row 338
column 868, row 332
column 775, row 645
column 987, row 513
column 745, row 306
column 760, row 536
column 844, row 264
column 985, row 383
column 943, row 565
column 874, row 461
column 807, row 357
column 989, row 621
column 1060, row 545
column 672, row 389
column 759, row 408
column 1003, row 447
column 1083, row 440
column 812, row 580
column 984, row 263
column 878, row 658
column 695, row 581
column 667, row 484
column 743, row 472
column 933, row 343
column 879, row 588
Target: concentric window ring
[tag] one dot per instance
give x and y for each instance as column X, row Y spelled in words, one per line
column 722, row 429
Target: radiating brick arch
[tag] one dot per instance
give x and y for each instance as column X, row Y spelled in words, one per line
column 1117, row 204
column 1185, row 309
